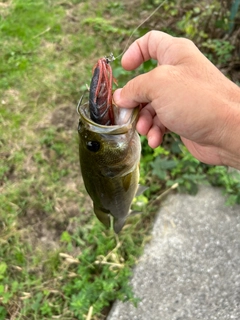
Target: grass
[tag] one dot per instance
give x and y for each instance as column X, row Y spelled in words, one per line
column 56, row 260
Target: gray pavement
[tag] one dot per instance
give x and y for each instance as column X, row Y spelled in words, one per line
column 191, row 267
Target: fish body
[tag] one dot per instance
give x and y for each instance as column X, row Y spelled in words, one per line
column 109, row 161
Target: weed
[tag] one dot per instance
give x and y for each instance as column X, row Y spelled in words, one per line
column 219, row 51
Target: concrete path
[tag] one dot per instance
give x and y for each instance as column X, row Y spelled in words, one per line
column 191, row 268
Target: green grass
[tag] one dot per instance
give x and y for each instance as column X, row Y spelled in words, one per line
column 21, row 33
column 56, row 259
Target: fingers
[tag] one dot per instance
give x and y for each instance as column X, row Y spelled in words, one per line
column 154, row 137
column 145, row 120
column 159, row 46
column 149, row 125
column 177, row 59
column 145, row 48
column 168, row 51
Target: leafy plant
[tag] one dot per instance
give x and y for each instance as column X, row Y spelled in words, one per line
column 219, row 51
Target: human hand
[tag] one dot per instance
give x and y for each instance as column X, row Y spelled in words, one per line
column 185, row 94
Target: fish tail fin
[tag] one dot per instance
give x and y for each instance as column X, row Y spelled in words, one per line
column 102, row 216
column 118, row 224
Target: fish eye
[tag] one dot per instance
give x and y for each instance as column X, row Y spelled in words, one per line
column 93, row 146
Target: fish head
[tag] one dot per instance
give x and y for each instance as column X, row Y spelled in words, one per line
column 107, row 148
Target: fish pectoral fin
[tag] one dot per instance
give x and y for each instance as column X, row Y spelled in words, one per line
column 102, row 216
column 134, row 212
column 140, row 190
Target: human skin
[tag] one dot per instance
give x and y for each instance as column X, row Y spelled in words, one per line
column 185, row 94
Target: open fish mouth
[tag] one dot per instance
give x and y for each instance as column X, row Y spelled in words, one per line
column 124, row 119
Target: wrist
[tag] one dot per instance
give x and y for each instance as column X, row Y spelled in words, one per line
column 230, row 141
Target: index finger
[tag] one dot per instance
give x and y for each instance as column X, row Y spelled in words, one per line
column 159, row 46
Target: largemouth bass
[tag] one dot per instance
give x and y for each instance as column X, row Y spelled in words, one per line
column 109, row 160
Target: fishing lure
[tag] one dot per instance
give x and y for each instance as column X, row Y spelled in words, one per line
column 100, row 95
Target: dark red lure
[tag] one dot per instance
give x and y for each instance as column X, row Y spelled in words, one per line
column 100, row 96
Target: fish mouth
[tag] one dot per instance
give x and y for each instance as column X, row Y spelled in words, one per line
column 112, row 129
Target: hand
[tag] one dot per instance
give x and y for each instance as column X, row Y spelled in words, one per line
column 185, row 94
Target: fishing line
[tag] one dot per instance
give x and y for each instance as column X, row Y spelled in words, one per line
column 131, row 35
column 111, row 57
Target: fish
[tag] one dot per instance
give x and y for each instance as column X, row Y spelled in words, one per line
column 109, row 154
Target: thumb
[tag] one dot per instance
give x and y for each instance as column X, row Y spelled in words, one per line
column 136, row 91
